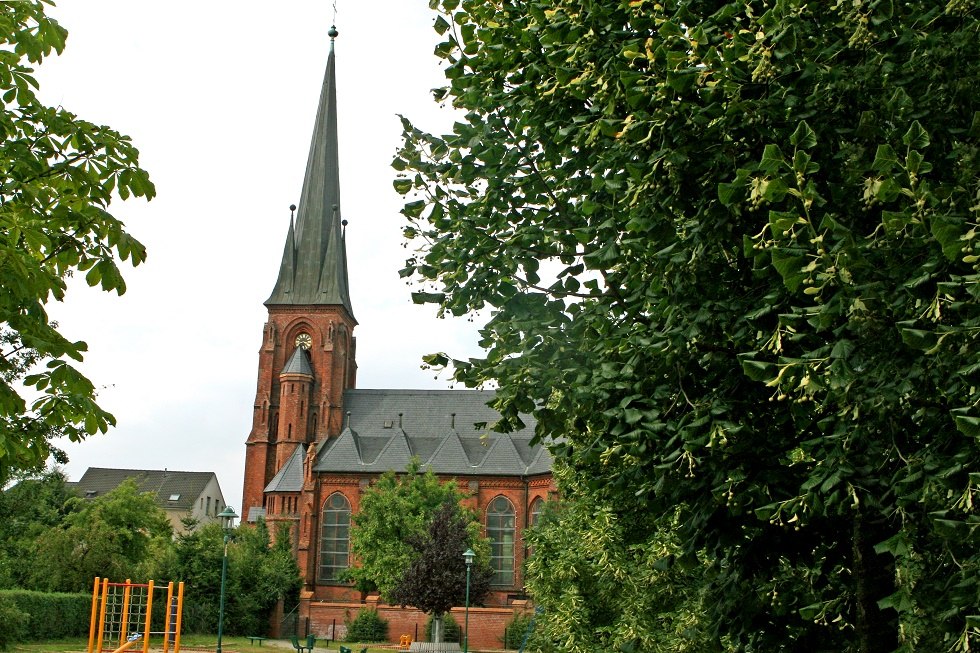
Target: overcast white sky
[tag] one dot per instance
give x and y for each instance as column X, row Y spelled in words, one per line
column 220, row 98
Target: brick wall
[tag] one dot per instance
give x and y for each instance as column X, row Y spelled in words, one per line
column 486, row 624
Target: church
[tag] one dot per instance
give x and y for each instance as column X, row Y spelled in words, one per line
column 317, row 441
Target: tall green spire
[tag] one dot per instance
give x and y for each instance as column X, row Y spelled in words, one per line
column 314, row 260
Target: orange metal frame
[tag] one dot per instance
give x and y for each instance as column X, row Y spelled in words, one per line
column 100, row 596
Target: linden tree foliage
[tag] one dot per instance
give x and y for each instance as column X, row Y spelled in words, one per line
column 731, row 255
column 58, row 175
column 585, row 559
column 395, row 511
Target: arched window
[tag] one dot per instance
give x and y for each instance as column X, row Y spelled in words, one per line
column 535, row 511
column 334, row 537
column 500, row 531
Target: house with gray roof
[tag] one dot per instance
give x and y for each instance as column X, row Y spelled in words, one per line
column 181, row 494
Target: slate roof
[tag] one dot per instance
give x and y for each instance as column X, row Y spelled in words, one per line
column 313, row 270
column 164, row 484
column 255, row 513
column 290, row 477
column 298, row 363
column 386, row 428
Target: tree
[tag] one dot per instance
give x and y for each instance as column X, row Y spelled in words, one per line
column 436, row 580
column 260, row 574
column 394, row 509
column 263, row 573
column 111, row 536
column 608, row 583
column 59, row 175
column 731, row 254
column 33, row 505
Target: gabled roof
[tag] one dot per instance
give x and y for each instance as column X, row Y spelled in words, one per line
column 448, row 430
column 173, row 490
column 314, row 260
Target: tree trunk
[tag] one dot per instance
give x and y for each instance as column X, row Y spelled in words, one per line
column 874, row 579
column 437, row 629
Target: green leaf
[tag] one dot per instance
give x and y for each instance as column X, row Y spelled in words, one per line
column 758, row 370
column 772, row 159
column 413, row 209
column 918, row 338
column 775, row 189
column 966, row 424
column 899, row 601
column 896, row 545
column 402, row 186
column 803, row 137
column 895, row 221
column 789, row 265
column 885, row 159
column 947, row 232
column 916, row 137
column 441, row 25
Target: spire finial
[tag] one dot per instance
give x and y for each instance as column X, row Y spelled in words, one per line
column 332, row 33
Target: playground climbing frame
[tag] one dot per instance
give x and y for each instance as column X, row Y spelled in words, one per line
column 123, row 617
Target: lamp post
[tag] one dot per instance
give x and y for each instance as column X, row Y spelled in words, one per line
column 228, row 518
column 468, row 557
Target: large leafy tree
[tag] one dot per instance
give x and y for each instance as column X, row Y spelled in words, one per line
column 58, row 175
column 731, row 254
column 260, row 574
column 395, row 512
column 111, row 536
column 33, row 505
column 608, row 582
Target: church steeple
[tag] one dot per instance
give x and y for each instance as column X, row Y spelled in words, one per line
column 314, row 260
column 307, row 359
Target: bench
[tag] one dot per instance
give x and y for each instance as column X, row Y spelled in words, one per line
column 255, row 638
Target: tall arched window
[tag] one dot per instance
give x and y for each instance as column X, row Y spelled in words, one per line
column 500, row 531
column 535, row 511
column 334, row 537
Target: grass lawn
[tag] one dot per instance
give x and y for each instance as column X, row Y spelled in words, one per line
column 228, row 642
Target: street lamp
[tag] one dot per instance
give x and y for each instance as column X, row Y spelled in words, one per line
column 468, row 557
column 228, row 518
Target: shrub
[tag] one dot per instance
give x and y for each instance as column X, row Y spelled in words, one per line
column 367, row 626
column 52, row 615
column 516, row 630
column 13, row 623
column 450, row 629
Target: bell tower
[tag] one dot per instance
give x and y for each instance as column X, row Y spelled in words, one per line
column 306, row 360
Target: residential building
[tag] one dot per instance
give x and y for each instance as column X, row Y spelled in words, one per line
column 181, row 494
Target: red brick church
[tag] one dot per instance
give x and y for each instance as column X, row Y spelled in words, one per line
column 318, row 441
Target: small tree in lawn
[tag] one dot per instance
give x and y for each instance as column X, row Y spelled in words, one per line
column 436, row 579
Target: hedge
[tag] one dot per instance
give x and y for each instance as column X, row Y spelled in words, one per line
column 49, row 615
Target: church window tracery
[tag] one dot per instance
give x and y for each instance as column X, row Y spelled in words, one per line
column 334, row 537
column 500, row 531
